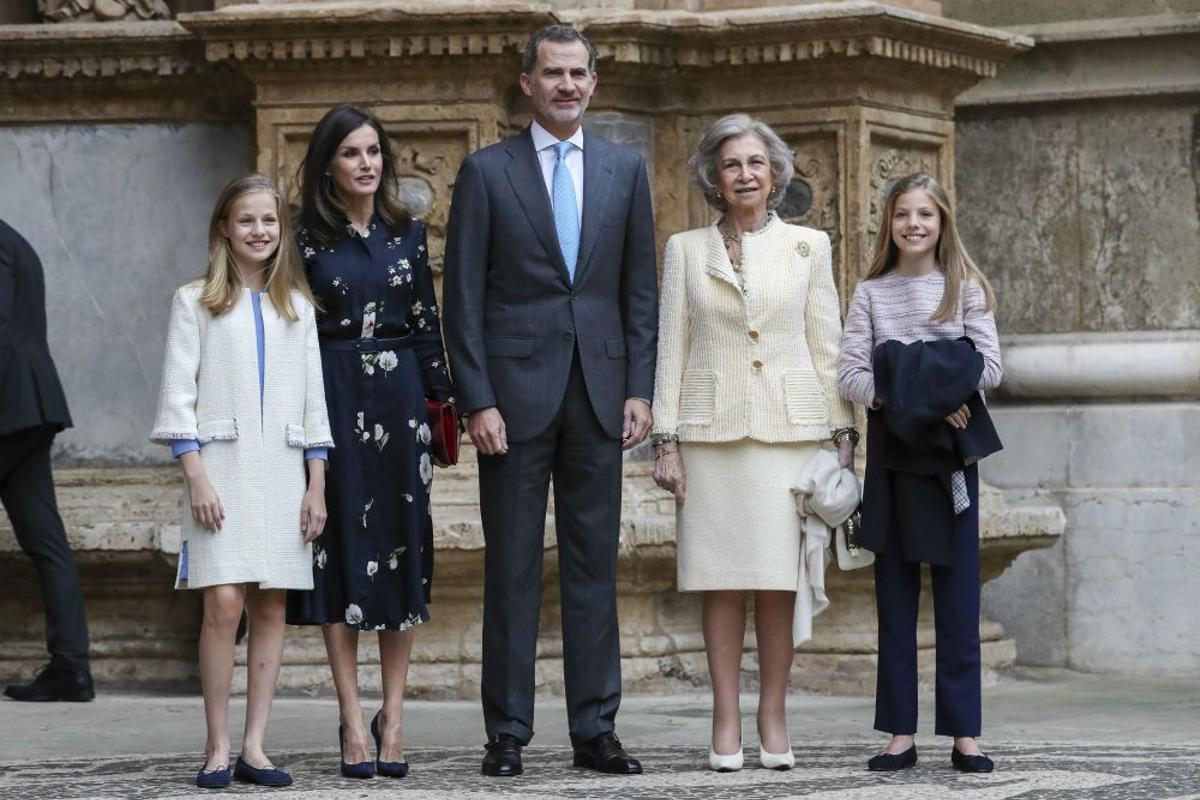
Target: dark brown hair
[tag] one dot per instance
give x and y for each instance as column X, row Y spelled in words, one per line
column 321, row 211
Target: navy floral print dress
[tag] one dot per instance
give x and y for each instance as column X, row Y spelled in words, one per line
column 382, row 355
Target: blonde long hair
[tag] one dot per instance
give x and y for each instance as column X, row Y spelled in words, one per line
column 952, row 257
column 285, row 274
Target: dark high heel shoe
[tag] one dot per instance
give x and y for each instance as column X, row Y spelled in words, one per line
column 890, row 762
column 363, row 769
column 388, row 769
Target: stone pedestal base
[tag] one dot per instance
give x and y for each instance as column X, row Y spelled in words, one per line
column 123, row 526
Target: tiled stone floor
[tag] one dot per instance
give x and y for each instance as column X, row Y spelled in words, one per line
column 1028, row 772
column 1055, row 736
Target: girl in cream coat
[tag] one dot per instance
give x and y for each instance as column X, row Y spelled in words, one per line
column 745, row 393
column 243, row 434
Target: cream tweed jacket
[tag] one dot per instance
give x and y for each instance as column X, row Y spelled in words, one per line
column 757, row 362
column 254, row 455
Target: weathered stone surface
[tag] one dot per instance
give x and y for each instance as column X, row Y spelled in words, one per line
column 119, row 216
column 1082, row 217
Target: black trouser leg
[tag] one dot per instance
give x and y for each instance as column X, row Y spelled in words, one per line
column 956, row 618
column 897, row 597
column 587, row 503
column 512, row 498
column 27, row 491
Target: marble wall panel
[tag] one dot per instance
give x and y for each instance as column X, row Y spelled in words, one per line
column 119, row 216
column 1113, row 594
column 1085, row 216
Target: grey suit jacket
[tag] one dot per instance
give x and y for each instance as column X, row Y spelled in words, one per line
column 512, row 317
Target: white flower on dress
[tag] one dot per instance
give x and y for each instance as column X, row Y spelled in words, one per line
column 340, row 284
column 424, row 434
column 387, row 360
column 412, row 423
column 322, row 557
column 354, row 615
column 407, row 497
column 394, row 557
column 426, row 469
column 417, row 307
column 372, row 568
column 361, row 416
column 367, row 508
column 345, row 323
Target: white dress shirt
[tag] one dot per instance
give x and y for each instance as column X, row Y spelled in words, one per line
column 543, row 143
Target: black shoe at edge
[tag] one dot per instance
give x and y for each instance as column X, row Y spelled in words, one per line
column 604, row 753
column 503, row 759
column 54, row 684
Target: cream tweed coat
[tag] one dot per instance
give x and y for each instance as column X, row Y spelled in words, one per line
column 759, row 363
column 254, row 458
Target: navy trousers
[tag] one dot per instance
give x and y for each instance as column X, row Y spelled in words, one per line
column 956, row 621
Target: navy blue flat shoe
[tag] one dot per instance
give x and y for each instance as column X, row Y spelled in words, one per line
column 965, row 763
column 890, row 762
column 361, row 770
column 388, row 769
column 267, row 776
column 217, row 778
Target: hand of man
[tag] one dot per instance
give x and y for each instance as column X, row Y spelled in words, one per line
column 487, row 431
column 637, row 423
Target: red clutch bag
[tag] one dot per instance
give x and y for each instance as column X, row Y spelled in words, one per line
column 443, row 424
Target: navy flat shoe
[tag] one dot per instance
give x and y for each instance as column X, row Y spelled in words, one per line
column 361, row 770
column 890, row 762
column 965, row 763
column 217, row 778
column 267, row 776
column 388, row 769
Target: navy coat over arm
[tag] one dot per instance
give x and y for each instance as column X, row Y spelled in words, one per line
column 912, row 450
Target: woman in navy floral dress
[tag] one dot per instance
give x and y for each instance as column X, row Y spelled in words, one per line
column 367, row 262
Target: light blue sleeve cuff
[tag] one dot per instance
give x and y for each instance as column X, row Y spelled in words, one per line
column 181, row 446
column 316, row 452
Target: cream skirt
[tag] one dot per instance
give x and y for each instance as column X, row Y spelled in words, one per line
column 738, row 528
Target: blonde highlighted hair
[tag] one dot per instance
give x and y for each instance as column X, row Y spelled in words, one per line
column 285, row 273
column 952, row 257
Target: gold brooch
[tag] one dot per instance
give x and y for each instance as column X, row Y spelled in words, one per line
column 803, row 249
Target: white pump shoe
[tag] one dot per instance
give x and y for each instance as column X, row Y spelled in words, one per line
column 776, row 760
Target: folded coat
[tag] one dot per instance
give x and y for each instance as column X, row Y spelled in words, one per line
column 912, row 452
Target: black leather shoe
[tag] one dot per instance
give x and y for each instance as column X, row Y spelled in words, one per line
column 605, row 754
column 965, row 763
column 503, row 759
column 890, row 762
column 53, row 684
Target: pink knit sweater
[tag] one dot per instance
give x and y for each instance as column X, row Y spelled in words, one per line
column 897, row 307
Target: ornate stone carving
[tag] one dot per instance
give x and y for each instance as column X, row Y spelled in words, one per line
column 102, row 10
column 813, row 197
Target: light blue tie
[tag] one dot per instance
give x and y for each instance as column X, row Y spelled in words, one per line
column 566, row 214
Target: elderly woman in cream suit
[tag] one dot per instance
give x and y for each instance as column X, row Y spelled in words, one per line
column 745, row 394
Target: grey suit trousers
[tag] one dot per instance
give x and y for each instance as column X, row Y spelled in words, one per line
column 585, row 464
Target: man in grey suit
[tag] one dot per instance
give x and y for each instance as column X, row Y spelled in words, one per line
column 551, row 318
